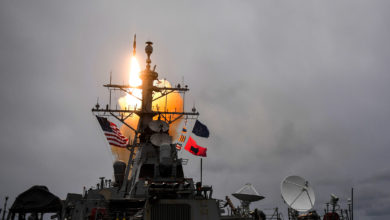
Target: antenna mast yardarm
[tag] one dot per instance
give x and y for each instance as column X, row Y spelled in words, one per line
column 150, row 93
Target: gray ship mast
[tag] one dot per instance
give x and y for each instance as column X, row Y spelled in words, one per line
column 146, row 153
column 152, row 184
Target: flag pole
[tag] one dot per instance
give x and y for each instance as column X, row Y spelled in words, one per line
column 201, row 169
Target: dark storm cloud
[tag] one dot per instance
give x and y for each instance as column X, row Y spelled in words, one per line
column 373, row 196
column 373, row 201
column 286, row 87
column 380, row 177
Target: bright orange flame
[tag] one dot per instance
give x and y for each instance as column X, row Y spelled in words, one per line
column 129, row 101
column 172, row 102
column 134, row 79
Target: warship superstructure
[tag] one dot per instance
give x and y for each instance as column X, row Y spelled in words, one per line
column 151, row 184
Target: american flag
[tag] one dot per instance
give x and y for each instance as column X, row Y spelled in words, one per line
column 113, row 134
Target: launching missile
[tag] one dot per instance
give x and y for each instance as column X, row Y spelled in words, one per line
column 134, row 44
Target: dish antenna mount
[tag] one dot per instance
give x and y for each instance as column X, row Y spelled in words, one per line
column 247, row 194
column 297, row 193
column 158, row 126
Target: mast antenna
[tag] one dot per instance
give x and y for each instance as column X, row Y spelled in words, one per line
column 110, row 89
column 149, row 51
column 97, row 103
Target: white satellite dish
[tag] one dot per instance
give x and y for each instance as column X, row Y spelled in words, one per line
column 297, row 193
column 160, row 139
column 248, row 193
column 158, row 126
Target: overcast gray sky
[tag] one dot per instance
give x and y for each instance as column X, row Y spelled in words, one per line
column 285, row 87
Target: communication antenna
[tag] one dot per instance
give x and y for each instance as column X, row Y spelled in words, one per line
column 158, row 126
column 247, row 194
column 297, row 193
column 160, row 139
column 334, row 199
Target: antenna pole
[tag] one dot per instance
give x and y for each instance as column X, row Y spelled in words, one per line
column 5, row 207
column 184, row 95
column 110, row 89
column 352, row 203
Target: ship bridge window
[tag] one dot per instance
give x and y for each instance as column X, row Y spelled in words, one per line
column 147, row 171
